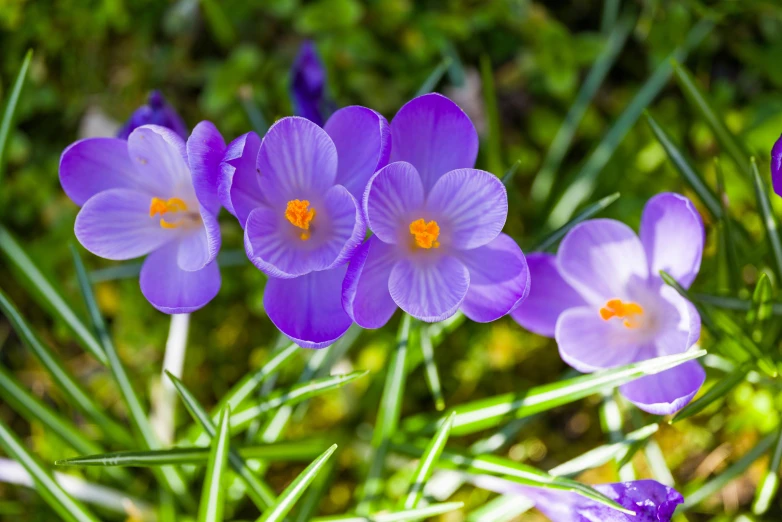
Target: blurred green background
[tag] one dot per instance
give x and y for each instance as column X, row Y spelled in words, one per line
column 95, row 62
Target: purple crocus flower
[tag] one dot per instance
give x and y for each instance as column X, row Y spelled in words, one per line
column 157, row 111
column 437, row 245
column 296, row 195
column 308, row 84
column 776, row 166
column 152, row 194
column 648, row 499
column 602, row 298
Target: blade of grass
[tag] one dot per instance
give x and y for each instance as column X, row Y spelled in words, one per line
column 296, row 488
column 399, row 516
column 432, row 377
column 308, row 506
column 715, row 393
column 51, row 492
column 213, row 492
column 553, row 238
column 434, row 77
column 426, row 466
column 769, row 219
column 47, row 296
column 503, row 508
column 10, row 109
column 254, row 114
column 769, row 485
column 507, row 178
column 583, row 184
column 727, row 237
column 494, row 148
column 387, row 418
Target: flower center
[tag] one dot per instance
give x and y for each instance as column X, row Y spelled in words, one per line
column 425, row 234
column 172, row 205
column 630, row 312
column 300, row 215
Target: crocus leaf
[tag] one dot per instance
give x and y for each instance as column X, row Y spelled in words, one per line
column 434, row 77
column 770, row 222
column 720, row 389
column 213, row 491
column 10, row 109
column 769, row 484
column 431, row 374
column 727, row 230
column 550, row 240
column 494, row 145
column 422, row 513
column 426, row 465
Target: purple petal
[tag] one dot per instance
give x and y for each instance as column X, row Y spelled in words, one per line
column 308, row 80
column 115, row 224
column 272, row 247
column 672, row 235
column 342, row 216
column 159, row 154
column 173, row 290
column 393, row 195
column 363, row 141
column 471, row 206
column 297, row 160
column 365, row 294
column 93, row 165
column 601, row 258
column 156, row 112
column 308, row 309
column 200, row 247
column 549, row 296
column 433, row 134
column 429, row 289
column 678, row 323
column 205, row 149
column 499, row 279
column 776, row 166
column 239, row 190
column 666, row 392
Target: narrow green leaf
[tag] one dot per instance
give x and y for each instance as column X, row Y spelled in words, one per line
column 507, row 178
column 503, row 508
column 727, row 239
column 213, row 492
column 296, row 488
column 550, row 240
column 581, row 187
column 219, row 24
column 434, row 77
column 387, row 417
column 432, row 510
column 761, row 300
column 544, row 181
column 65, row 382
column 51, row 492
column 609, row 15
column 485, row 413
column 494, row 148
column 720, row 389
column 255, row 116
column 708, row 322
column 47, row 296
column 769, row 485
column 432, row 377
column 769, row 219
column 308, row 506
column 10, row 109
column 426, row 465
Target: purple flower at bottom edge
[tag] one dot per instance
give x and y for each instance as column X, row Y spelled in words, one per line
column 650, row 500
column 437, row 245
column 602, row 298
column 308, row 84
column 152, row 194
column 157, row 111
column 295, row 195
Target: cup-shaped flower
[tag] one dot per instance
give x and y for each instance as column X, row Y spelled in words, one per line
column 437, row 245
column 602, row 298
column 157, row 111
column 308, row 84
column 152, row 194
column 648, row 499
column 295, row 194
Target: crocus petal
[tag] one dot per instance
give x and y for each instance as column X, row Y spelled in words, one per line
column 471, row 206
column 429, row 289
column 600, row 258
column 271, row 250
column 115, row 224
column 297, row 160
column 157, row 111
column 239, row 190
column 549, row 296
column 308, row 309
column 679, row 324
column 588, row 343
column 365, row 294
column 205, row 149
column 499, row 279
column 672, row 236
column 159, row 154
column 666, row 392
column 199, row 247
column 308, row 81
column 173, row 290
column 776, row 166
column 346, row 228
column 433, row 134
column 93, row 165
column 391, row 198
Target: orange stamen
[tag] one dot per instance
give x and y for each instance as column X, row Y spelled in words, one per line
column 425, row 234
column 300, row 215
column 628, row 311
column 160, row 207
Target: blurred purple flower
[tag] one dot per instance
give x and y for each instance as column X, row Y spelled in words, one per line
column 152, row 194
column 776, row 166
column 157, row 111
column 437, row 245
column 296, row 195
column 308, row 84
column 604, row 301
column 650, row 500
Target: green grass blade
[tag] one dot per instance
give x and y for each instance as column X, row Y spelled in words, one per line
column 507, row 178
column 296, row 488
column 494, row 145
column 431, row 374
column 582, row 186
column 213, row 492
column 387, row 417
column 65, row 382
column 550, row 240
column 434, row 77
column 761, row 300
column 767, row 214
column 426, row 465
column 10, row 109
column 769, row 485
column 65, row 506
column 260, row 493
column 399, row 516
column 47, row 296
column 727, row 238
column 485, row 413
column 255, row 116
column 308, row 506
column 715, row 393
column 544, row 181
column 503, row 508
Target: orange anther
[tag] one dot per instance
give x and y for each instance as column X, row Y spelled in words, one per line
column 300, row 215
column 425, row 234
column 629, row 311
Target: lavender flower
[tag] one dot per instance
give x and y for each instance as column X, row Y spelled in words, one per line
column 295, row 193
column 308, row 82
column 650, row 500
column 437, row 245
column 157, row 111
column 603, row 300
column 152, row 194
